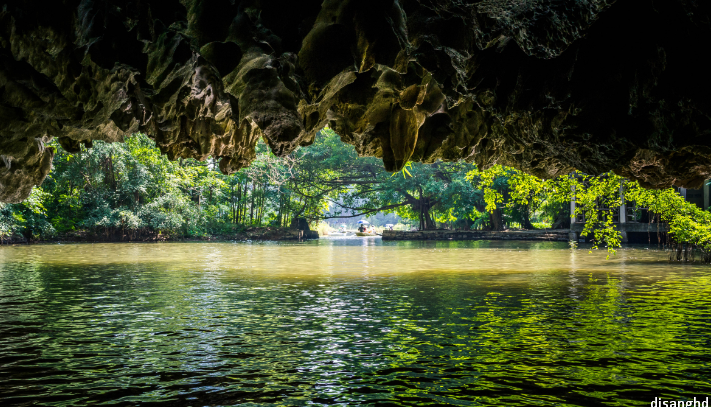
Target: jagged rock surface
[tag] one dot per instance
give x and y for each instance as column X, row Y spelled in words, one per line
column 547, row 87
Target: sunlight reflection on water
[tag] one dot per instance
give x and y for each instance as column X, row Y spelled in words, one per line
column 350, row 321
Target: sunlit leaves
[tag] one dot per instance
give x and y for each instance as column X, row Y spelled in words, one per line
column 404, row 170
column 598, row 199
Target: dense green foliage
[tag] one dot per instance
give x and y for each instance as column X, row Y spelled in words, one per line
column 28, row 217
column 689, row 226
column 513, row 196
column 129, row 191
column 597, row 201
column 427, row 194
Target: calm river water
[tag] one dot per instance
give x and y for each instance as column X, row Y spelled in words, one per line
column 348, row 322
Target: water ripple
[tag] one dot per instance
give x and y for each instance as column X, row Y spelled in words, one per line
column 346, row 323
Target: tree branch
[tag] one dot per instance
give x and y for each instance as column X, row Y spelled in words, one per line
column 382, row 208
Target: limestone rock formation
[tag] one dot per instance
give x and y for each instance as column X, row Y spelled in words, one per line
column 545, row 86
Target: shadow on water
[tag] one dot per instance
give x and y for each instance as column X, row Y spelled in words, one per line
column 350, row 321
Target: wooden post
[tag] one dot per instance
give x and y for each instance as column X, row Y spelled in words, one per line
column 623, row 207
column 623, row 216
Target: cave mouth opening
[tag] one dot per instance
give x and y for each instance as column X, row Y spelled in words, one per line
column 545, row 88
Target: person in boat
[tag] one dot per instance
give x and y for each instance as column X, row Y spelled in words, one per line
column 361, row 228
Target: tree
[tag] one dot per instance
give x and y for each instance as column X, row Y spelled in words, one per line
column 429, row 194
column 597, row 197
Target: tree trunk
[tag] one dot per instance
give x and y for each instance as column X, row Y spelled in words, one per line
column 240, row 204
column 526, row 217
column 251, row 205
column 263, row 203
column 260, row 205
column 421, row 210
column 232, row 204
column 287, row 209
column 243, row 204
column 497, row 221
column 429, row 223
column 281, row 202
column 423, row 206
column 562, row 218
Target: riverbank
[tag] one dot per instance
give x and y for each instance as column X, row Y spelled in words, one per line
column 551, row 235
column 269, row 233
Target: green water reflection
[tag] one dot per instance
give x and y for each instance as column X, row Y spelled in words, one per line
column 350, row 322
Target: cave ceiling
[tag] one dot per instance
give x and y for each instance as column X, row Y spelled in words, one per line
column 543, row 86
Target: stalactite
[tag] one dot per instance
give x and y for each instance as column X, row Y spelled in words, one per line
column 522, row 83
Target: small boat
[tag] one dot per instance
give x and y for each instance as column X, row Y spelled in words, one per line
column 368, row 230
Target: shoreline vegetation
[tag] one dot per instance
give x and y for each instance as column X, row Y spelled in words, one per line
column 597, row 199
column 131, row 191
column 252, row 233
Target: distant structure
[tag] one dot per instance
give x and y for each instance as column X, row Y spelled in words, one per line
column 636, row 224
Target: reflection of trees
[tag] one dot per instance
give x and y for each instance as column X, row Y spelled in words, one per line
column 522, row 344
column 434, row 336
